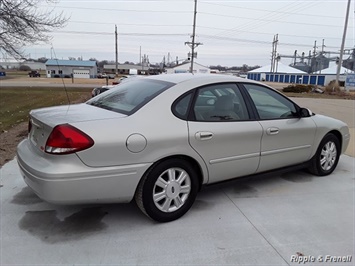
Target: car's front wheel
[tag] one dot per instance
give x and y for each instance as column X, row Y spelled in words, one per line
column 168, row 190
column 327, row 156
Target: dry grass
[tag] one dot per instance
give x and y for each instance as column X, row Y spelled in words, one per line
column 336, row 95
column 15, row 103
column 22, row 76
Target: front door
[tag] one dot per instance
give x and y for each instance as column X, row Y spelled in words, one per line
column 287, row 139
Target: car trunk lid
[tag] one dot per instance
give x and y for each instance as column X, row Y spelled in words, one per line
column 45, row 119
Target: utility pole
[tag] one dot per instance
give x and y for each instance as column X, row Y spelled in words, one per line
column 323, row 45
column 309, row 57
column 274, row 53
column 321, row 58
column 315, row 63
column 116, row 48
column 192, row 44
column 272, row 56
column 315, row 49
column 295, row 59
column 342, row 44
column 140, row 57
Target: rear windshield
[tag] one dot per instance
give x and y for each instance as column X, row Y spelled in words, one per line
column 128, row 97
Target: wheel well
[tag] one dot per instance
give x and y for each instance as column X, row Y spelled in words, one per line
column 192, row 161
column 338, row 135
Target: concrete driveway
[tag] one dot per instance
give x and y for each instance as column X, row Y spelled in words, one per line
column 253, row 221
column 284, row 219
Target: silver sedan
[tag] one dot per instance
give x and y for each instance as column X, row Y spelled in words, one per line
column 160, row 139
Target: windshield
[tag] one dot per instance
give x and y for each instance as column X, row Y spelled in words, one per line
column 128, row 97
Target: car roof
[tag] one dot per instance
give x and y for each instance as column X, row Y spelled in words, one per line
column 183, row 77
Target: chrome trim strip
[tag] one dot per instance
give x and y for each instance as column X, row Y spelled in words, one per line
column 285, row 150
column 234, row 158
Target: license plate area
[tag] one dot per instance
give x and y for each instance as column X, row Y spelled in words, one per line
column 34, row 135
column 37, row 135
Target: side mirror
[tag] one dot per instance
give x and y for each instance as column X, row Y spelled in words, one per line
column 304, row 112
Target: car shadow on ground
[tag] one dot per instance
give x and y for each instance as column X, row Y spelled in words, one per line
column 57, row 223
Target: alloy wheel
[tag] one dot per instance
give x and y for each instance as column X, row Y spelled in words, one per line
column 328, row 155
column 171, row 189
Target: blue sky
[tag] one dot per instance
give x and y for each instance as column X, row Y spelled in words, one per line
column 232, row 32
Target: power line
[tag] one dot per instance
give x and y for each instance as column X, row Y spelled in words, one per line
column 129, row 24
column 269, row 33
column 271, row 14
column 258, row 41
column 124, row 10
column 213, row 37
column 280, row 12
column 268, row 20
column 202, row 27
column 127, row 34
column 295, row 6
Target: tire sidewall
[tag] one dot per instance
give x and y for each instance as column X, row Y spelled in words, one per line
column 148, row 187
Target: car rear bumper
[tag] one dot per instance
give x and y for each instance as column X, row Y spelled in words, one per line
column 64, row 179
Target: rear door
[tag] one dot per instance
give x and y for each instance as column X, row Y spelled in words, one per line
column 223, row 133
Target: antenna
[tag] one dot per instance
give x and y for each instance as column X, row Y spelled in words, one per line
column 65, row 88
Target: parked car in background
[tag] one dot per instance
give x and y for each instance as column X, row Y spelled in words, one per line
column 100, row 76
column 98, row 90
column 159, row 139
column 122, row 78
column 34, row 74
column 104, row 75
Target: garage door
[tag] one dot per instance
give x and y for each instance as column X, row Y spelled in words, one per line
column 81, row 73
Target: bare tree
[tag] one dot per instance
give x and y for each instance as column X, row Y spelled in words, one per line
column 23, row 22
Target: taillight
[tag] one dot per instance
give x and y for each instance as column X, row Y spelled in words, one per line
column 65, row 139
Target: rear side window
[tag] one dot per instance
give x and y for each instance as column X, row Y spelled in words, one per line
column 220, row 102
column 128, row 97
column 181, row 106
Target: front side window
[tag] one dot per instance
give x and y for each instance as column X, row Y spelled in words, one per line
column 270, row 104
column 220, row 102
column 128, row 97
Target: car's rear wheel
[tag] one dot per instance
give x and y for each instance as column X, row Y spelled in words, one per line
column 168, row 190
column 327, row 156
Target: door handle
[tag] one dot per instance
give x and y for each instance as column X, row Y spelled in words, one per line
column 204, row 135
column 272, row 131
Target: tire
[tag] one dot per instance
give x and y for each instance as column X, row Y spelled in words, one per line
column 168, row 190
column 327, row 156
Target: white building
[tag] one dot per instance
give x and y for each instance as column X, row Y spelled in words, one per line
column 185, row 68
column 287, row 74
column 126, row 69
column 16, row 65
column 67, row 68
column 331, row 72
